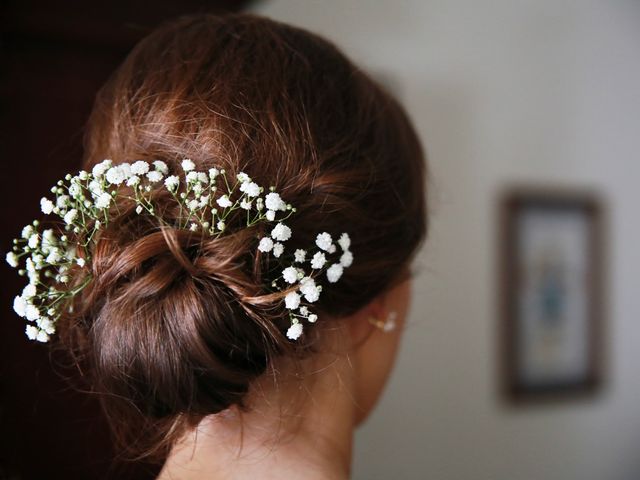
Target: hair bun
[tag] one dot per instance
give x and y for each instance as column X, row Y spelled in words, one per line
column 170, row 329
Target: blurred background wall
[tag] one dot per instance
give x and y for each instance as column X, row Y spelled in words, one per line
column 544, row 92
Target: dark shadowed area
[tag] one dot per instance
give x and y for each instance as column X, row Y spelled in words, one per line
column 54, row 57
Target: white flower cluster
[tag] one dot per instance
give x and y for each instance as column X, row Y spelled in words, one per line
column 295, row 273
column 85, row 203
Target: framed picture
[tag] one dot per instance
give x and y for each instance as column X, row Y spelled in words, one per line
column 552, row 298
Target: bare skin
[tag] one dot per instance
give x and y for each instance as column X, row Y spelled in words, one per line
column 300, row 426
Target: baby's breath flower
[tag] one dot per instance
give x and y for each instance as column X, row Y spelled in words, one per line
column 20, row 306
column 54, row 256
column 95, row 188
column 75, row 190
column 42, row 336
column 103, row 201
column 27, row 231
column 46, row 205
column 281, row 232
column 294, row 331
column 71, row 215
column 192, row 176
column 187, row 165
column 30, row 265
column 312, row 318
column 99, row 169
column 139, row 209
column 38, row 260
column 161, row 166
column 29, row 291
column 213, row 173
column 224, row 201
column 80, row 261
column 172, row 182
column 346, row 259
column 278, row 249
column 140, row 167
column 62, row 201
column 245, row 204
column 344, row 241
column 193, row 204
column 221, row 225
column 271, row 215
column 203, row 178
column 318, row 261
column 265, row 245
column 292, row 300
column 250, row 188
column 334, row 272
column 133, row 180
column 323, row 241
column 243, row 177
column 31, row 331
column 154, row 176
column 299, row 255
column 290, row 275
column 31, row 312
column 12, row 259
column 204, row 200
column 274, row 202
column 33, row 240
column 46, row 324
column 115, row 175
column 193, row 227
column 309, row 289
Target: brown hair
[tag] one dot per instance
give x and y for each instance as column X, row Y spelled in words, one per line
column 175, row 326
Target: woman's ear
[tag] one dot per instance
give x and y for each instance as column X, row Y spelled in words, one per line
column 360, row 323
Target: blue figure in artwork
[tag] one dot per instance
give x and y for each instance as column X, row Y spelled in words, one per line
column 551, row 291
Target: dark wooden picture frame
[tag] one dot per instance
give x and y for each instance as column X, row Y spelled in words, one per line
column 552, row 262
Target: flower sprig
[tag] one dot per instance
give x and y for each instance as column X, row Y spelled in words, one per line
column 87, row 201
column 296, row 273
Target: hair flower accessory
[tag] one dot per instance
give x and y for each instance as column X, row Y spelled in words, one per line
column 84, row 204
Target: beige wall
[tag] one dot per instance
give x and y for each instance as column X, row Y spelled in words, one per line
column 501, row 91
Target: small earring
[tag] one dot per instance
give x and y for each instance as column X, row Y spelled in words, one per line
column 386, row 326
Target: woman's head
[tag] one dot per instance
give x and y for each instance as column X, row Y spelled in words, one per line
column 174, row 328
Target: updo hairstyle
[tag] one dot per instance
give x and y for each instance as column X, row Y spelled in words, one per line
column 174, row 326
